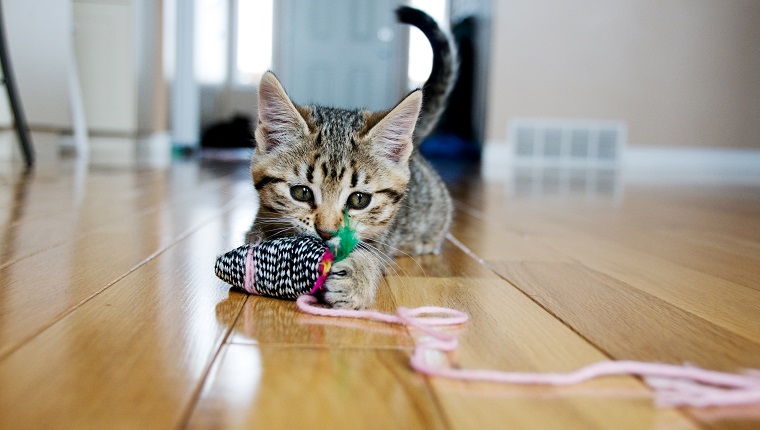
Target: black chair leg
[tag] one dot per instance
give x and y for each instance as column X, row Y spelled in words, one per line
column 10, row 86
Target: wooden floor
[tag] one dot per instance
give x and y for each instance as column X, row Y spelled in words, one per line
column 111, row 316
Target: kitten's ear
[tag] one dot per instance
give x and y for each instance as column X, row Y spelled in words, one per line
column 279, row 121
column 392, row 136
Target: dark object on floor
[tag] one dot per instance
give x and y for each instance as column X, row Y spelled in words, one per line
column 235, row 133
column 10, row 86
column 450, row 146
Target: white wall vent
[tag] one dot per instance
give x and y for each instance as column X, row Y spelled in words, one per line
column 538, row 141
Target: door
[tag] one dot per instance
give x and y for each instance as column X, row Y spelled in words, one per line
column 341, row 53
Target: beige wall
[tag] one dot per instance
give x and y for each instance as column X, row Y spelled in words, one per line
column 679, row 72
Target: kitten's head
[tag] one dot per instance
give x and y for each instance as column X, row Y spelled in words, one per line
column 313, row 163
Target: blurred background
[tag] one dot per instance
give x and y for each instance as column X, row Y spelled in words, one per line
column 584, row 82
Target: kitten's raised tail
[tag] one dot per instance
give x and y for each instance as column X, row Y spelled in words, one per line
column 436, row 90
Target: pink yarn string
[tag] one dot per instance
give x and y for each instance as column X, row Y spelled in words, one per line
column 250, row 272
column 672, row 385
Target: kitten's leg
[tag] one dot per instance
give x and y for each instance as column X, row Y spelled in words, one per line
column 353, row 281
column 425, row 217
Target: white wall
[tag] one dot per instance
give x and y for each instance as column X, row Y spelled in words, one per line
column 151, row 87
column 105, row 47
column 118, row 51
column 40, row 45
column 116, row 44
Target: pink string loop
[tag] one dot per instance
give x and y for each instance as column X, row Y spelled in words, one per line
column 672, row 385
column 426, row 315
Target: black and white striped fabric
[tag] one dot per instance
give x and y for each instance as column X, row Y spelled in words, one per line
column 285, row 268
column 230, row 267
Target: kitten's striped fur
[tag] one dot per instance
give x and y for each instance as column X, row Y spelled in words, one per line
column 313, row 162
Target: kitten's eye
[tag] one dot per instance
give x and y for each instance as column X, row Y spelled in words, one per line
column 359, row 200
column 301, row 193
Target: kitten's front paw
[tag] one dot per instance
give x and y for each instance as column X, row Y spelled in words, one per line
column 352, row 283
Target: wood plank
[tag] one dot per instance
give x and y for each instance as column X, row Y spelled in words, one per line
column 60, row 225
column 134, row 355
column 628, row 297
column 51, row 189
column 39, row 290
column 294, row 387
column 684, row 249
column 670, row 237
column 267, row 321
column 494, row 241
column 510, row 332
column 17, row 184
column 725, row 304
column 168, row 345
column 621, row 320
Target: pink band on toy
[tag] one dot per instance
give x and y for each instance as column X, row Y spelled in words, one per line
column 324, row 271
column 250, row 272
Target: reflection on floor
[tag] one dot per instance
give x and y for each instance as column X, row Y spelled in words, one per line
column 111, row 316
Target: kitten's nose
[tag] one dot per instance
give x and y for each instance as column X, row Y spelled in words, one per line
column 324, row 234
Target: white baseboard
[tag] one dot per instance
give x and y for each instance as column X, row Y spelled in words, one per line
column 641, row 162
column 44, row 146
column 693, row 160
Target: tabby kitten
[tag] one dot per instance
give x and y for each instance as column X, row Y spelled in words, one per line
column 314, row 163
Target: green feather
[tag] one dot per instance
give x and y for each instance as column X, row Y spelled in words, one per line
column 348, row 240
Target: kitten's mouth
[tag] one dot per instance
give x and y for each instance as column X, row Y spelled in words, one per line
column 334, row 242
